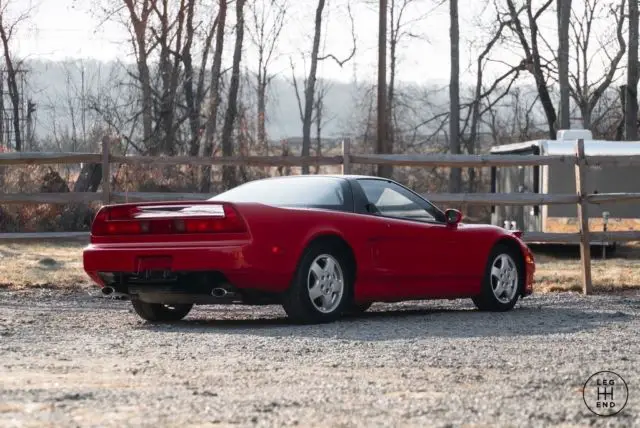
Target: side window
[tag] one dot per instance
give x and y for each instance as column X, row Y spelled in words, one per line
column 393, row 201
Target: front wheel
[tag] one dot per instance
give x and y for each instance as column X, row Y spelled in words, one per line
column 503, row 281
column 321, row 288
column 158, row 312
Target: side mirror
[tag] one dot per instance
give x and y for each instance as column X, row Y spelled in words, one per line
column 453, row 216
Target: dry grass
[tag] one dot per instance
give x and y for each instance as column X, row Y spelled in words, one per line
column 59, row 265
column 51, row 265
column 560, row 274
column 570, row 224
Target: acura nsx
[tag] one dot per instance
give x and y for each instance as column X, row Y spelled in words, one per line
column 319, row 245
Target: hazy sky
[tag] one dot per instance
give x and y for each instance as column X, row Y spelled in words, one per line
column 59, row 30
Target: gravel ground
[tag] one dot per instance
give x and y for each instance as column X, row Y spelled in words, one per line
column 73, row 359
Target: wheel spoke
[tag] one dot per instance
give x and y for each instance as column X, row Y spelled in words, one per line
column 336, row 285
column 330, row 267
column 499, row 288
column 495, row 272
column 327, row 300
column 317, row 270
column 315, row 291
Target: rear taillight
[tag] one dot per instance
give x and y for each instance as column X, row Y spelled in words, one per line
column 121, row 220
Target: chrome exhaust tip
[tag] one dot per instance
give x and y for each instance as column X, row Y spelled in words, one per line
column 219, row 292
column 107, row 291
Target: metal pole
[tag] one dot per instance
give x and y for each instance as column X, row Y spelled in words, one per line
column 382, row 82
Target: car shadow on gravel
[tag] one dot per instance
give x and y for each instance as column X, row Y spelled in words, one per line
column 386, row 322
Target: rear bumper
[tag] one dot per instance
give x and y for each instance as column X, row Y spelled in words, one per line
column 236, row 262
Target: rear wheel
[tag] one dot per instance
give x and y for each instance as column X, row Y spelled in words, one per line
column 503, row 280
column 161, row 313
column 321, row 287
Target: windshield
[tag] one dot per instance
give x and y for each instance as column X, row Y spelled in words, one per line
column 307, row 191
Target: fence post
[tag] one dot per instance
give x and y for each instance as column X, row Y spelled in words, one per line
column 106, row 170
column 346, row 156
column 583, row 217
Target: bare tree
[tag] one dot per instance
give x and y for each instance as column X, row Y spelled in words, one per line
column 306, row 111
column 8, row 27
column 228, row 172
column 527, row 35
column 404, row 18
column 171, row 88
column 587, row 89
column 310, row 85
column 382, row 127
column 194, row 80
column 631, row 110
column 139, row 15
column 455, row 175
column 564, row 15
column 267, row 18
column 483, row 100
column 320, row 118
column 214, row 97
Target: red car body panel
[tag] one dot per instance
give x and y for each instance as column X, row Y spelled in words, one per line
column 395, row 259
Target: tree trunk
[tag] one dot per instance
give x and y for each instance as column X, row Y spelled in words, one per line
column 383, row 119
column 228, row 171
column 318, row 132
column 631, row 116
column 532, row 61
column 262, row 112
column 585, row 112
column 620, row 132
column 193, row 105
column 387, row 170
column 564, row 14
column 12, row 84
column 214, row 94
column 310, row 87
column 169, row 73
column 455, row 175
column 139, row 24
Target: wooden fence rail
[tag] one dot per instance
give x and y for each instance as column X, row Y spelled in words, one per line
column 580, row 198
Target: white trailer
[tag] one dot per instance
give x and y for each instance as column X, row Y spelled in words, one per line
column 560, row 179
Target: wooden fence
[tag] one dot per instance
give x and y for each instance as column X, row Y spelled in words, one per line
column 581, row 199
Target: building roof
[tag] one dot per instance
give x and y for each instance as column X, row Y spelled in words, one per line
column 568, row 147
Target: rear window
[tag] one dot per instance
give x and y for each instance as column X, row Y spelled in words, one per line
column 307, row 191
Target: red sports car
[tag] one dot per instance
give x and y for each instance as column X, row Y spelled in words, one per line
column 319, row 245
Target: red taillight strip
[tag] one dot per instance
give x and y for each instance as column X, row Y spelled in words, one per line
column 133, row 220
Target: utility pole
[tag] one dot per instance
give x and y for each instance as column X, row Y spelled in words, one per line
column 381, row 141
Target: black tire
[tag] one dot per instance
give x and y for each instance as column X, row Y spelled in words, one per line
column 157, row 312
column 298, row 302
column 357, row 309
column 494, row 297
